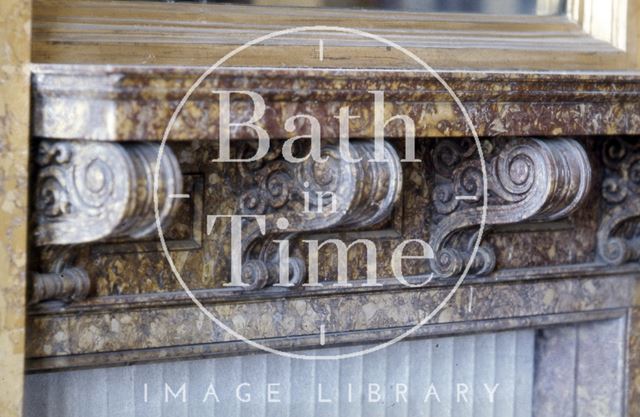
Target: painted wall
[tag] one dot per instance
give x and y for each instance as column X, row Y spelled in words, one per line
column 15, row 37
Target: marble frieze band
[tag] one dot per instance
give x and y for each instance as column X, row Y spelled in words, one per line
column 88, row 192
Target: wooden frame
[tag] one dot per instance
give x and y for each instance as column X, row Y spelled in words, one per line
column 594, row 35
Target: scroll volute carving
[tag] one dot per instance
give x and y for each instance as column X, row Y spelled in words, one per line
column 527, row 180
column 88, row 191
column 619, row 231
column 353, row 195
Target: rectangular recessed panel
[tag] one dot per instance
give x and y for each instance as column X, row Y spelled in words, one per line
column 475, row 375
column 580, row 369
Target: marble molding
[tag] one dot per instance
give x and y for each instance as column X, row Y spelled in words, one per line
column 119, row 334
column 136, row 103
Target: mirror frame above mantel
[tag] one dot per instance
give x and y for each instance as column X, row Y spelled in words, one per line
column 593, row 35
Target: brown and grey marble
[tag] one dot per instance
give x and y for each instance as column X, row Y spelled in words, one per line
column 136, row 102
column 294, row 318
column 121, row 267
column 546, row 273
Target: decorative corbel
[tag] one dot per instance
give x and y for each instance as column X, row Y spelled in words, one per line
column 619, row 231
column 339, row 195
column 91, row 191
column 527, row 180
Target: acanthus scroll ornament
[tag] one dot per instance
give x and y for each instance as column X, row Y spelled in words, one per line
column 619, row 230
column 312, row 196
column 527, row 180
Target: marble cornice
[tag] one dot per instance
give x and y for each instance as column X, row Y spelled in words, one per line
column 135, row 102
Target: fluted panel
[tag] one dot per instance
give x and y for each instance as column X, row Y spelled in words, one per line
column 444, row 377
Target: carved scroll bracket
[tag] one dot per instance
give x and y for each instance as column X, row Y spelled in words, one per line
column 88, row 191
column 352, row 195
column 527, row 179
column 619, row 231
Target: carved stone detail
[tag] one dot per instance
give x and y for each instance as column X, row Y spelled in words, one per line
column 354, row 195
column 619, row 231
column 88, row 191
column 70, row 284
column 527, row 179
